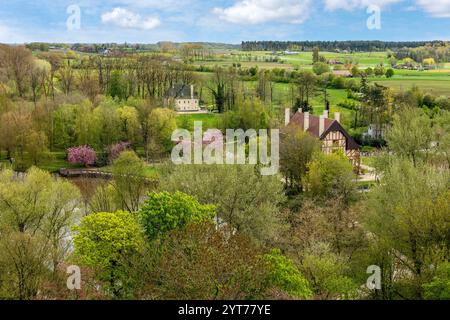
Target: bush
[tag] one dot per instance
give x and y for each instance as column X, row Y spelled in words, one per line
column 390, row 73
column 443, row 102
column 321, row 68
column 338, row 83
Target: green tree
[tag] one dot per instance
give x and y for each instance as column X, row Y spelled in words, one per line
column 36, row 212
column 249, row 114
column 369, row 72
column 129, row 123
column 116, row 86
column 379, row 71
column 245, row 200
column 163, row 212
column 410, row 135
column 377, row 106
column 296, row 151
column 331, row 176
column 320, row 68
column 439, row 287
column 326, row 272
column 26, row 203
column 106, row 123
column 129, row 181
column 316, row 55
column 285, row 275
column 105, row 242
column 408, row 214
column 36, row 146
column 23, row 267
column 355, row 71
column 390, row 73
column 442, row 132
column 306, row 83
column 162, row 123
column 201, row 262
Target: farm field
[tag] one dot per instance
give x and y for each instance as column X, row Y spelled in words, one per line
column 436, row 82
column 432, row 86
column 364, row 59
column 303, row 59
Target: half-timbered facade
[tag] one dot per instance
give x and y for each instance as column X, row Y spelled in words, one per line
column 333, row 136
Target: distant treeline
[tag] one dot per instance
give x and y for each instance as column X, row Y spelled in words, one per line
column 440, row 54
column 128, row 47
column 334, row 45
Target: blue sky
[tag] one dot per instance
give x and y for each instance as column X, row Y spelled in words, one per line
column 230, row 21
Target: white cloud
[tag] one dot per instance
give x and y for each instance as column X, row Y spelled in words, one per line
column 332, row 5
column 168, row 5
column 437, row 8
column 10, row 35
column 262, row 11
column 127, row 19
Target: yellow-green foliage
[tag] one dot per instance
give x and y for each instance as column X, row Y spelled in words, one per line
column 330, row 175
column 285, row 275
column 163, row 212
column 103, row 239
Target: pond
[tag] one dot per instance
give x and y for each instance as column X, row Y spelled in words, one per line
column 87, row 185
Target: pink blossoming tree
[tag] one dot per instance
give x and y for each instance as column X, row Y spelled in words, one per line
column 84, row 155
column 115, row 150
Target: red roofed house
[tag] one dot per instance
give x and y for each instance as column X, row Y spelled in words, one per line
column 330, row 132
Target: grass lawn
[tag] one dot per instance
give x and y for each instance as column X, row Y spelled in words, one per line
column 433, row 86
column 51, row 162
column 209, row 121
column 150, row 172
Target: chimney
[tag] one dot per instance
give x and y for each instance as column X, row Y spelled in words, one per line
column 321, row 125
column 337, row 116
column 326, row 114
column 300, row 110
column 287, row 116
column 306, row 124
column 192, row 91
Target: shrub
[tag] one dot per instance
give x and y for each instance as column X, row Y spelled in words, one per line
column 390, row 73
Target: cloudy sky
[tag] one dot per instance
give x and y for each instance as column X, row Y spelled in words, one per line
column 230, row 21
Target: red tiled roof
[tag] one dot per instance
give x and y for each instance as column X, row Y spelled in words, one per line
column 330, row 125
column 314, row 123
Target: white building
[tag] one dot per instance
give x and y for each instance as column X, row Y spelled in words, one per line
column 185, row 98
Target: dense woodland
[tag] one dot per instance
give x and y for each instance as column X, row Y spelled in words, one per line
column 159, row 231
column 357, row 46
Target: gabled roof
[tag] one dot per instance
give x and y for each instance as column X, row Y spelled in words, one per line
column 330, row 126
column 180, row 91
